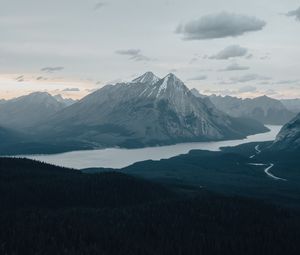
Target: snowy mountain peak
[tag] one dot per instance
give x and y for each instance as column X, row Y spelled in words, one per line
column 172, row 81
column 59, row 98
column 172, row 77
column 147, row 77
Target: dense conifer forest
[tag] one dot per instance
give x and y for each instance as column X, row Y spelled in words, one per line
column 51, row 210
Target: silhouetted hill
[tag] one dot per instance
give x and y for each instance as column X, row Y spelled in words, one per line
column 27, row 183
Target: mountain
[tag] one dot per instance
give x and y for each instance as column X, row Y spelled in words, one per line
column 12, row 141
column 145, row 112
column 149, row 78
column 292, row 105
column 66, row 101
column 27, row 111
column 197, row 93
column 264, row 109
column 9, row 136
column 289, row 136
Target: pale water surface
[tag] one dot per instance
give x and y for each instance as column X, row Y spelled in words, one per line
column 118, row 158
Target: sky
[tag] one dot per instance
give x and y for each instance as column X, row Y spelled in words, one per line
column 72, row 47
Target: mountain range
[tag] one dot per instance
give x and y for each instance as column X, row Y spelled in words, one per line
column 27, row 111
column 292, row 105
column 264, row 109
column 148, row 111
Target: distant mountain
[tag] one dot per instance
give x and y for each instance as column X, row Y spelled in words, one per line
column 26, row 111
column 264, row 109
column 65, row 101
column 145, row 112
column 289, row 136
column 8, row 136
column 197, row 93
column 292, row 105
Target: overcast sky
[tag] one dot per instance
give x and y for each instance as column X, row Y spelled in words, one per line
column 236, row 47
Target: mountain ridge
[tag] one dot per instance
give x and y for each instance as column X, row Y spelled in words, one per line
column 264, row 109
column 26, row 111
column 143, row 113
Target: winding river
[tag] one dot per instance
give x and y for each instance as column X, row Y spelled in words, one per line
column 118, row 158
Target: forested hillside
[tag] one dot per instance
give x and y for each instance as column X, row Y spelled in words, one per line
column 51, row 210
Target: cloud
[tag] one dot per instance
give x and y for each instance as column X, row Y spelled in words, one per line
column 247, row 89
column 224, row 92
column 265, row 83
column 234, row 67
column 41, row 78
column 295, row 13
column 232, row 51
column 265, row 57
column 219, row 26
column 20, row 78
column 91, row 90
column 198, row 78
column 287, row 82
column 99, row 5
column 193, row 60
column 249, row 56
column 71, row 90
column 134, row 54
column 270, row 92
column 52, row 69
column 249, row 77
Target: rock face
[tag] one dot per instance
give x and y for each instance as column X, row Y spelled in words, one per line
column 28, row 111
column 264, row 109
column 289, row 136
column 145, row 112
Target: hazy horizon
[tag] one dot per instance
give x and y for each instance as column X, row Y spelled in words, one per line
column 238, row 48
column 67, row 93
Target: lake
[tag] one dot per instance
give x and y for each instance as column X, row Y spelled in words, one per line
column 118, row 158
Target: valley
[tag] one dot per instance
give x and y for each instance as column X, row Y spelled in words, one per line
column 149, row 127
column 119, row 158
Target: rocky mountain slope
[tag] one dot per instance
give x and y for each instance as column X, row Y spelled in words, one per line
column 145, row 112
column 264, row 109
column 289, row 136
column 292, row 105
column 27, row 111
column 66, row 101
